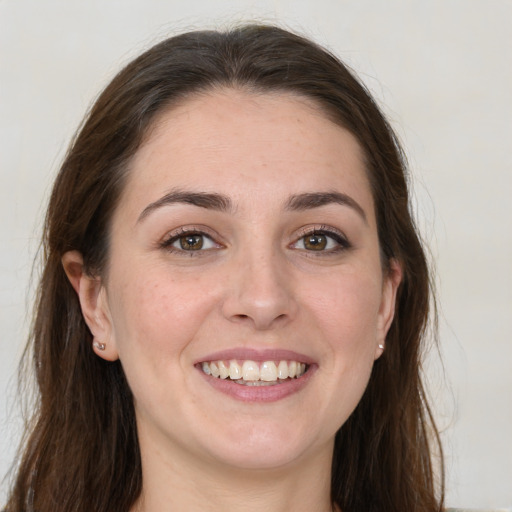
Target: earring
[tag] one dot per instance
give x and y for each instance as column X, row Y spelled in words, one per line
column 99, row 346
column 381, row 346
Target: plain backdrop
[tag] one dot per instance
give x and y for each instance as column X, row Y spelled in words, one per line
column 441, row 70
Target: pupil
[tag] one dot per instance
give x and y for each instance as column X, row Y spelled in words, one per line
column 191, row 242
column 316, row 242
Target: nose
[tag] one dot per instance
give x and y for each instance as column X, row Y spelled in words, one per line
column 260, row 292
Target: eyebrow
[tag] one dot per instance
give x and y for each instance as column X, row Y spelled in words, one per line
column 306, row 201
column 222, row 203
column 208, row 200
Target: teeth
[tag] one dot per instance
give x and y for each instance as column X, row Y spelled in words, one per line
column 282, row 370
column 214, row 369
column 268, row 371
column 235, row 370
column 252, row 373
column 206, row 369
column 223, row 370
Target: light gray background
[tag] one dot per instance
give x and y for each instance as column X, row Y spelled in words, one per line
column 441, row 69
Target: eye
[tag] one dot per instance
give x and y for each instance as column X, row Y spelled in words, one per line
column 322, row 241
column 190, row 241
column 316, row 242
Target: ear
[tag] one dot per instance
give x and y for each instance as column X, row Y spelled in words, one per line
column 93, row 301
column 390, row 286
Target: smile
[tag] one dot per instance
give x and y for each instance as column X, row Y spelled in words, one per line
column 252, row 373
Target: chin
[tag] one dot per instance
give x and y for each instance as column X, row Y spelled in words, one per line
column 263, row 447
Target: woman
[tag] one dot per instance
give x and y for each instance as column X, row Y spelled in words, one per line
column 234, row 295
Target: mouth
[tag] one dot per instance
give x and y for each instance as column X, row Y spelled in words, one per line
column 253, row 373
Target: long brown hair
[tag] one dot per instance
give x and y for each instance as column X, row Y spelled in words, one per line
column 81, row 453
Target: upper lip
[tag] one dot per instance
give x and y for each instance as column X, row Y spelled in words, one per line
column 257, row 355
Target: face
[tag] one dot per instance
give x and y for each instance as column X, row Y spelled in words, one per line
column 244, row 251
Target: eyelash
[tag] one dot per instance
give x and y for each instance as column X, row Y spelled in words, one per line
column 174, row 237
column 341, row 241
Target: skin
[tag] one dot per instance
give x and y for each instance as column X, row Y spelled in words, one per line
column 255, row 285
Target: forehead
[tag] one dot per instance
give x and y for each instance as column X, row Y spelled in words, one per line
column 247, row 145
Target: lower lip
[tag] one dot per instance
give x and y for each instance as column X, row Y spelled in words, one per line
column 259, row 393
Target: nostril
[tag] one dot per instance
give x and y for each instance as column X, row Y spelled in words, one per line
column 241, row 317
column 263, row 310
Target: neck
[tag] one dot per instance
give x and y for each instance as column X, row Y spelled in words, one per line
column 182, row 483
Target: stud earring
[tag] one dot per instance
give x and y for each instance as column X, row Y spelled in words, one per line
column 381, row 346
column 99, row 346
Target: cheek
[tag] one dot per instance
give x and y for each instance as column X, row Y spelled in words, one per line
column 349, row 309
column 347, row 316
column 154, row 320
column 155, row 313
column 345, row 312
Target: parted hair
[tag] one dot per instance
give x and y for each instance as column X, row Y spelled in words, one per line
column 80, row 451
